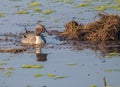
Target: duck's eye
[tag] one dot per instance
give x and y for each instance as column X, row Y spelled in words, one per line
column 25, row 36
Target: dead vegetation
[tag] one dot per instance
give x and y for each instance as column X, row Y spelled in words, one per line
column 14, row 50
column 105, row 28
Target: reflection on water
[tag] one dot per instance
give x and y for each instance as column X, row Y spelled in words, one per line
column 39, row 55
column 105, row 50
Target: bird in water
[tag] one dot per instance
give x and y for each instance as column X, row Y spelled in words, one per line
column 36, row 37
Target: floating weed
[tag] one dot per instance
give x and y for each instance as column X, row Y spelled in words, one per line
column 2, row 15
column 71, row 64
column 32, row 66
column 34, row 4
column 50, row 75
column 47, row 12
column 93, row 85
column 115, row 7
column 56, row 20
column 37, row 10
column 15, row 0
column 22, row 12
column 111, row 70
column 101, row 8
column 108, row 70
column 60, row 77
column 114, row 54
column 59, row 0
column 38, row 75
column 79, row 12
column 107, row 56
column 68, row 1
column 81, row 5
column 8, row 73
column 3, row 63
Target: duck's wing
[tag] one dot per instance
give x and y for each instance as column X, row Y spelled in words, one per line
column 28, row 39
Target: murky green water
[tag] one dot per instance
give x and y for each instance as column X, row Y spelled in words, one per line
column 71, row 68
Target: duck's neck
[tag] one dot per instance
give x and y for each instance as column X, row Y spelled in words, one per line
column 38, row 40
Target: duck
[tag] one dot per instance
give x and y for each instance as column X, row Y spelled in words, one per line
column 36, row 37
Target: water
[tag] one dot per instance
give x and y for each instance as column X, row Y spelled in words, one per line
column 82, row 68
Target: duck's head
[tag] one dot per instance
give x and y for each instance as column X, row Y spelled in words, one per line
column 39, row 29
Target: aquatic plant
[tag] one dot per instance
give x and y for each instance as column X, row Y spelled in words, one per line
column 47, row 12
column 60, row 77
column 93, row 85
column 71, row 64
column 37, row 75
column 81, row 5
column 34, row 4
column 65, row 1
column 68, row 1
column 51, row 75
column 113, row 54
column 37, row 10
column 111, row 70
column 22, row 12
column 2, row 15
column 15, row 0
column 58, row 0
column 3, row 63
column 56, row 20
column 8, row 73
column 32, row 66
column 101, row 8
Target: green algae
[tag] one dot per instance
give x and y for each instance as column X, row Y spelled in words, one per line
column 47, row 12
column 37, row 10
column 22, row 12
column 50, row 75
column 111, row 70
column 82, row 5
column 38, row 75
column 101, row 8
column 72, row 64
column 56, row 21
column 32, row 66
column 93, row 85
column 60, row 77
column 114, row 54
column 34, row 4
column 2, row 15
column 68, row 1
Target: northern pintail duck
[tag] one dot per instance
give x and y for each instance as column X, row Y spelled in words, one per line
column 35, row 38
